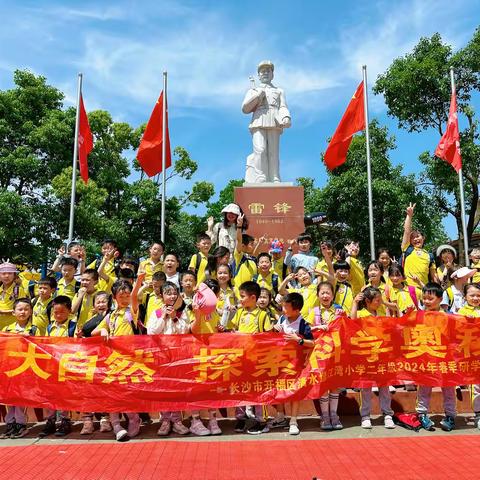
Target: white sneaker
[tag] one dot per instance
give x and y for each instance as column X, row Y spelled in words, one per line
column 388, row 422
column 105, row 425
column 293, row 429
column 366, row 423
column 120, row 433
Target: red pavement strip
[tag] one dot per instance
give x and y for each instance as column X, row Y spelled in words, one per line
column 405, row 458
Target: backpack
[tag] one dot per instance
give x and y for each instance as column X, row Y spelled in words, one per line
column 71, row 328
column 409, row 421
column 198, row 261
column 137, row 329
column 236, row 268
column 142, row 309
column 274, row 281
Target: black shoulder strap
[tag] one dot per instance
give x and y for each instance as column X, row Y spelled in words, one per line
column 198, row 261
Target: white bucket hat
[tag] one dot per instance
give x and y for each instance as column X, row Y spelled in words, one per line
column 232, row 208
column 441, row 248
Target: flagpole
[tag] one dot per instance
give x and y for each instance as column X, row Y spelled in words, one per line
column 74, row 169
column 164, row 155
column 369, row 168
column 462, row 193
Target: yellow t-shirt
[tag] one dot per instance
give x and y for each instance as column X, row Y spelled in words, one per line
column 245, row 269
column 357, row 275
column 344, row 297
column 40, row 315
column 16, row 328
column 402, row 297
column 59, row 329
column 364, row 313
column 255, row 321
column 109, row 270
column 267, row 282
column 67, row 289
column 201, row 268
column 154, row 303
column 326, row 315
column 86, row 308
column 118, row 322
column 277, row 267
column 469, row 311
column 150, row 267
column 226, row 295
column 310, row 299
column 417, row 263
column 208, row 323
column 7, row 299
column 476, row 277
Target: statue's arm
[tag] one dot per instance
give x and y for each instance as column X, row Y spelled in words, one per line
column 252, row 99
column 283, row 111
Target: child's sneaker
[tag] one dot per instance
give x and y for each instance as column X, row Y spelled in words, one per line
column 326, row 424
column 448, row 423
column 9, row 430
column 64, row 428
column 336, row 423
column 278, row 423
column 121, row 434
column 427, row 424
column 164, row 429
column 198, row 428
column 388, row 421
column 105, row 425
column 213, row 427
column 48, row 429
column 293, row 429
column 257, row 428
column 249, row 412
column 180, row 428
column 20, row 431
column 133, row 426
column 240, row 425
column 366, row 423
column 87, row 428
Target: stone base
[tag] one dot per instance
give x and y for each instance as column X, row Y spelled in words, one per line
column 268, row 184
column 274, row 210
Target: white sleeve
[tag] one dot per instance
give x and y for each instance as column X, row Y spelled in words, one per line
column 155, row 325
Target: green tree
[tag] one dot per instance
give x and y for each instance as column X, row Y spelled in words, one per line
column 344, row 198
column 417, row 92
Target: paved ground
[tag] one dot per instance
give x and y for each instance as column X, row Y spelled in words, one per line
column 309, row 428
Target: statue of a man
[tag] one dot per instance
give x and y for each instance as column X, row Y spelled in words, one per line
column 270, row 117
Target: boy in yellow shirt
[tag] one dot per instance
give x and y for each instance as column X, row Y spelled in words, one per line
column 110, row 252
column 68, row 285
column 154, row 262
column 151, row 301
column 266, row 276
column 244, row 266
column 42, row 304
column 278, row 264
column 199, row 260
column 82, row 305
column 250, row 319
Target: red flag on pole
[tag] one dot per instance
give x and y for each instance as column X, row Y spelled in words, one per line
column 150, row 152
column 353, row 121
column 449, row 146
column 85, row 141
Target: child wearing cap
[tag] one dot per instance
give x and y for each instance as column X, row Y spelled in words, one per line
column 475, row 263
column 278, row 264
column 453, row 299
column 224, row 234
column 10, row 290
column 446, row 255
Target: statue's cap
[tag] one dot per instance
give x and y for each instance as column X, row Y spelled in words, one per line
column 265, row 63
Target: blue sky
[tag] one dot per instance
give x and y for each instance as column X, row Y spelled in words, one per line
column 210, row 48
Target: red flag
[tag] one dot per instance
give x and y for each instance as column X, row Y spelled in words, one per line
column 353, row 121
column 150, row 152
column 449, row 146
column 85, row 141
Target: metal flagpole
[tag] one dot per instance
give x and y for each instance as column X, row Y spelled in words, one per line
column 74, row 170
column 369, row 168
column 164, row 153
column 462, row 193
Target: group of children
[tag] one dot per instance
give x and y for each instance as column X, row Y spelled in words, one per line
column 294, row 294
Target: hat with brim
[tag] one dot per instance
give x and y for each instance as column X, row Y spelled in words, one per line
column 7, row 267
column 232, row 208
column 463, row 272
column 441, row 248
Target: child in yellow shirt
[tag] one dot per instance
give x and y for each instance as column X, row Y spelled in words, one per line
column 154, row 262
column 199, row 260
column 10, row 290
column 42, row 304
column 307, row 289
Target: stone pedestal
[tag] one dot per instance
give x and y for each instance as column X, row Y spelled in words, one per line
column 273, row 210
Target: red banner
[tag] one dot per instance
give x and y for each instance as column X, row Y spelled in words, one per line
column 165, row 372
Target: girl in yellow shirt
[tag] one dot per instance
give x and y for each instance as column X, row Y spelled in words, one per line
column 374, row 274
column 307, row 289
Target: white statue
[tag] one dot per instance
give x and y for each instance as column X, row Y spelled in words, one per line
column 270, row 117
